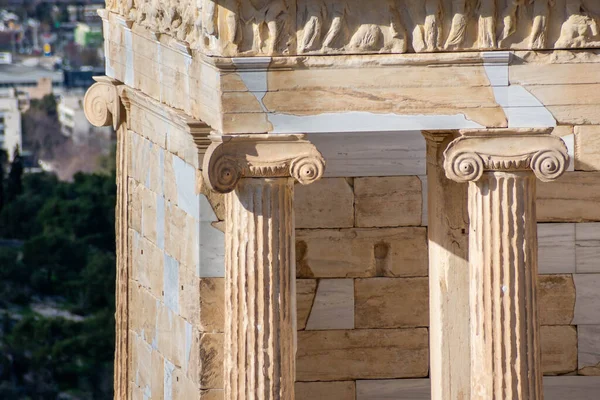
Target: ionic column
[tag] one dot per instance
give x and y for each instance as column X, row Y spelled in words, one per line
column 501, row 168
column 260, row 313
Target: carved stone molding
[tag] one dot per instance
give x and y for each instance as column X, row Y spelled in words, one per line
column 289, row 27
column 230, row 158
column 102, row 103
column 467, row 157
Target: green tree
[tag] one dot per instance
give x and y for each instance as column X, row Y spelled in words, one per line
column 14, row 183
column 67, row 263
column 3, row 162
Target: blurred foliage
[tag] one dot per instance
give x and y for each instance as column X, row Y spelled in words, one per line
column 57, row 244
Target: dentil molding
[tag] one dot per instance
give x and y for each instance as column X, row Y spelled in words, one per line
column 467, row 157
column 230, row 158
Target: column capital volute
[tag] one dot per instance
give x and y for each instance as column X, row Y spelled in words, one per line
column 476, row 151
column 102, row 103
column 232, row 157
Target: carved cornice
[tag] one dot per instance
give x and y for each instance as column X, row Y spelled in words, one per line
column 102, row 103
column 230, row 158
column 467, row 157
column 199, row 130
column 299, row 27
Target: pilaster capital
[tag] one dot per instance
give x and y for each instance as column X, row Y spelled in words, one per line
column 102, row 103
column 467, row 157
column 230, row 158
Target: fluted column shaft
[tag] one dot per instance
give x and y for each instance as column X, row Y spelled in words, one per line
column 505, row 361
column 259, row 290
column 501, row 166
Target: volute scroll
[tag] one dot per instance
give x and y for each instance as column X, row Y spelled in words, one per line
column 102, row 103
column 230, row 158
column 468, row 157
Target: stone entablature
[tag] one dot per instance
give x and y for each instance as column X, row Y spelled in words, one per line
column 294, row 27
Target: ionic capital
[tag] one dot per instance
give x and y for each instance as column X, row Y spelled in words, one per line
column 102, row 104
column 467, row 157
column 230, row 158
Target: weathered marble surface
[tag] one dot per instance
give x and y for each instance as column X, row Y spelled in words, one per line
column 287, row 27
column 555, row 388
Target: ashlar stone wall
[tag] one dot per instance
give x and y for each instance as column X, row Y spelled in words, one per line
column 174, row 347
column 362, row 279
column 362, row 285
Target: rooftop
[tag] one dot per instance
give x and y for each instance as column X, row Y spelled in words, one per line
column 18, row 73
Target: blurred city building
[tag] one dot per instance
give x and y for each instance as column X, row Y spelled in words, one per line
column 10, row 121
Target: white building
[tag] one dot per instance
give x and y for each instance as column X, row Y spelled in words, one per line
column 10, row 121
column 73, row 121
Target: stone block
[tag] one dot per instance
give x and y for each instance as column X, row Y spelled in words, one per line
column 212, row 251
column 171, row 284
column 424, row 205
column 327, row 203
column 587, row 247
column 325, row 390
column 333, row 307
column 194, row 370
column 574, row 197
column 141, row 354
column 550, row 73
column 211, row 361
column 571, row 387
column 185, row 179
column 137, row 157
column 388, row 201
column 392, row 302
column 160, row 222
column 135, row 205
column 171, row 333
column 362, row 354
column 587, row 311
column 149, row 225
column 158, row 375
column 394, row 252
column 135, row 393
column 175, row 231
column 183, row 388
column 215, row 200
column 587, row 148
column 588, row 349
column 153, row 177
column 143, row 320
column 212, row 394
column 555, row 388
column 305, row 296
column 189, row 295
column 556, row 299
column 575, row 114
column 356, row 154
column 559, row 349
column 169, row 370
column 169, row 183
column 556, row 248
column 182, row 145
column 147, row 265
column 212, row 304
column 405, row 389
